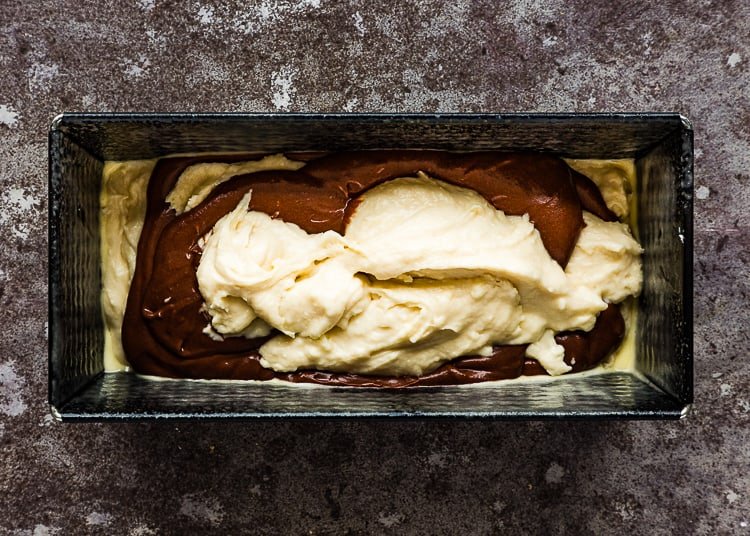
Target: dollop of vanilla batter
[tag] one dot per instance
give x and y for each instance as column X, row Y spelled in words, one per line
column 425, row 272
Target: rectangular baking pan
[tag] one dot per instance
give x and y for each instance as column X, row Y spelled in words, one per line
column 661, row 143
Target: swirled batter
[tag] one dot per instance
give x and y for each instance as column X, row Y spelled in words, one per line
column 389, row 268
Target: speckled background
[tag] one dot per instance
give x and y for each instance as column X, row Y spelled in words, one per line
column 688, row 477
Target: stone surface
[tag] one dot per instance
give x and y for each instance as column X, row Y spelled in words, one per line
column 688, row 477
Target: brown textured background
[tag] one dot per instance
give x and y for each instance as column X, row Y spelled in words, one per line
column 688, row 477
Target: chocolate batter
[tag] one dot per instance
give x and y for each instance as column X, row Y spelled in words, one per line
column 162, row 330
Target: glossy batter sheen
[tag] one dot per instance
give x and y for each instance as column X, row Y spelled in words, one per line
column 163, row 325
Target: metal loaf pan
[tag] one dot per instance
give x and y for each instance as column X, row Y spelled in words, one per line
column 661, row 143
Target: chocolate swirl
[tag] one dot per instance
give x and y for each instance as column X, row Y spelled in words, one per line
column 162, row 329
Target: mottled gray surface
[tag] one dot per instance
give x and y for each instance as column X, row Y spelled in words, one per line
column 382, row 477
